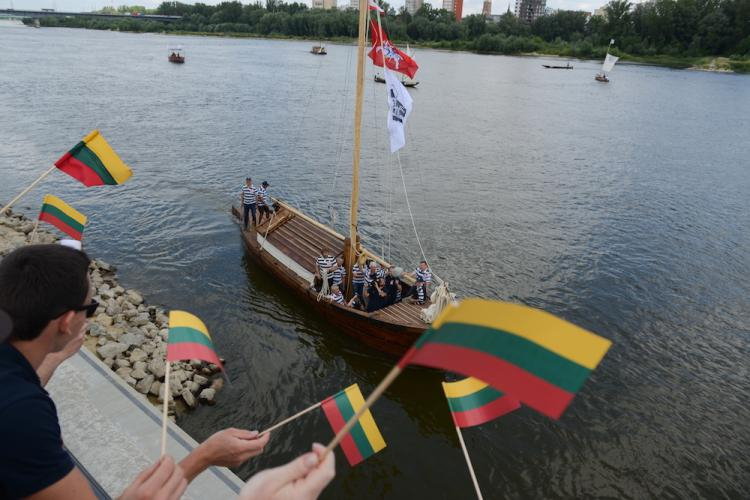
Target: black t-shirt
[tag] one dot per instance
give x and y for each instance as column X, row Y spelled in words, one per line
column 31, row 448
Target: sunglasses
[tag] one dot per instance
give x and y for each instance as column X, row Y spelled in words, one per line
column 89, row 308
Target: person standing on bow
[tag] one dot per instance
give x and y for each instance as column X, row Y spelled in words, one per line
column 265, row 207
column 248, row 197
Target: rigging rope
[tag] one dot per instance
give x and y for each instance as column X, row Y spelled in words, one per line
column 411, row 215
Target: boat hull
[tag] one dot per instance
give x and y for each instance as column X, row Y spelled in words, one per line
column 386, row 336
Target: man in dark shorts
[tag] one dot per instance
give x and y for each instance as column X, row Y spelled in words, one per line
column 45, row 291
column 265, row 206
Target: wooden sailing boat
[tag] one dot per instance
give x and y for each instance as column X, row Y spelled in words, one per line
column 607, row 65
column 288, row 244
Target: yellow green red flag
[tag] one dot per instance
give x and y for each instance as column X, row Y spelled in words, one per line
column 364, row 440
column 189, row 339
column 64, row 217
column 93, row 162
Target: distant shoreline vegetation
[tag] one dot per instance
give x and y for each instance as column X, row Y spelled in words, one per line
column 705, row 34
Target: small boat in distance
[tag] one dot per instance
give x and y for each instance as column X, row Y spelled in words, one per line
column 176, row 55
column 405, row 82
column 607, row 65
column 319, row 50
column 567, row 66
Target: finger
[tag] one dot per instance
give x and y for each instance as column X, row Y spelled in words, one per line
column 245, row 434
column 143, row 476
column 320, row 476
column 173, row 487
column 296, row 469
column 161, row 474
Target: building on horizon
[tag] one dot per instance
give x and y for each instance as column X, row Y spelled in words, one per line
column 324, row 4
column 530, row 10
column 412, row 6
column 455, row 6
column 487, row 8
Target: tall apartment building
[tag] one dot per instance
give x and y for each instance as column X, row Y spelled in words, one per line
column 487, row 8
column 324, row 4
column 455, row 6
column 529, row 10
column 412, row 6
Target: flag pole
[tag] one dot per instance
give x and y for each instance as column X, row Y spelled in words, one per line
column 384, row 384
column 468, row 463
column 23, row 193
column 32, row 238
column 293, row 417
column 164, row 411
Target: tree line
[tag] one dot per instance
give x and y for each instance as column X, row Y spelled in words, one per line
column 677, row 28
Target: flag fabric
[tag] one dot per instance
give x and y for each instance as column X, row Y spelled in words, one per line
column 189, row 339
column 372, row 5
column 399, row 109
column 395, row 59
column 93, row 162
column 473, row 402
column 364, row 439
column 64, row 217
column 529, row 354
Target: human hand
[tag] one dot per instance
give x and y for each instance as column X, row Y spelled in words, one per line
column 301, row 479
column 162, row 481
column 231, row 447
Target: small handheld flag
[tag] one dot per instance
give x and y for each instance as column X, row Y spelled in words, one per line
column 529, row 354
column 93, row 162
column 189, row 339
column 364, row 439
column 473, row 402
column 64, row 217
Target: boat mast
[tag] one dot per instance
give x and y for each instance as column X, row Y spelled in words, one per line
column 354, row 207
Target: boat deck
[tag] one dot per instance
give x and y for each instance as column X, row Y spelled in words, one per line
column 301, row 239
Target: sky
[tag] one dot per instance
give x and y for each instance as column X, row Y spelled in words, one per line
column 470, row 6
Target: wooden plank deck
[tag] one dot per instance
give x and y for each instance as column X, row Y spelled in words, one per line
column 301, row 240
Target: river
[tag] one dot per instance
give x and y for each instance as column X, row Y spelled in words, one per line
column 621, row 207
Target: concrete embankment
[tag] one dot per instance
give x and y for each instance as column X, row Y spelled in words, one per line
column 128, row 334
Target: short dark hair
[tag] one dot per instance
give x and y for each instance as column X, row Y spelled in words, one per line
column 423, row 262
column 38, row 282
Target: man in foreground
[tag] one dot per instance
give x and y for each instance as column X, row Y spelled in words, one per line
column 46, row 293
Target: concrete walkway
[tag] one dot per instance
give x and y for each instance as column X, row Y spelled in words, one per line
column 116, row 433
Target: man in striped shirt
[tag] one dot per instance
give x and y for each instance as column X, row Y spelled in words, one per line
column 339, row 274
column 248, row 198
column 326, row 261
column 423, row 277
column 264, row 202
column 358, row 278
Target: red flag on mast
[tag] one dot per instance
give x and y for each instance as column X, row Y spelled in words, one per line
column 395, row 59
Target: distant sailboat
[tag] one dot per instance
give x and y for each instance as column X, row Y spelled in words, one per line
column 607, row 65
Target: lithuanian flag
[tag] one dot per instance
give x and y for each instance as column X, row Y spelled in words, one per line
column 64, row 217
column 473, row 402
column 93, row 162
column 364, row 439
column 529, row 354
column 189, row 339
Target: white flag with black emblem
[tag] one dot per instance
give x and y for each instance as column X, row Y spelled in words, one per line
column 399, row 107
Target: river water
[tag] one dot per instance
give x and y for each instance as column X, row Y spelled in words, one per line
column 621, row 207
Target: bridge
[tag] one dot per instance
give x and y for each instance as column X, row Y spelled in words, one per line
column 36, row 14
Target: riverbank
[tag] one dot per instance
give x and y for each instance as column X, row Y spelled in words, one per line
column 128, row 334
column 486, row 44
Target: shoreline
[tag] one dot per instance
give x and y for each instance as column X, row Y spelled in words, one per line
column 128, row 334
column 712, row 64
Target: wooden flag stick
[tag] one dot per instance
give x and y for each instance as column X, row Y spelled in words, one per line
column 387, row 381
column 23, row 193
column 32, row 238
column 468, row 462
column 293, row 417
column 164, row 413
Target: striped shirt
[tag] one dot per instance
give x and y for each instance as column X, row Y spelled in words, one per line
column 263, row 199
column 420, row 294
column 379, row 273
column 337, row 297
column 249, row 194
column 325, row 263
column 339, row 275
column 358, row 275
column 425, row 275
